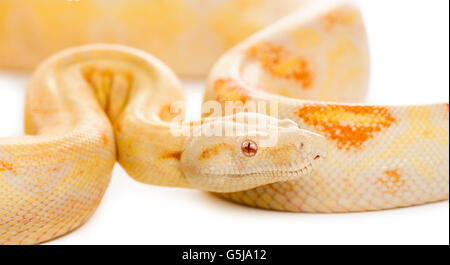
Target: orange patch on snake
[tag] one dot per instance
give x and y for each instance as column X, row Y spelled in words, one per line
column 228, row 90
column 165, row 113
column 280, row 63
column 6, row 166
column 43, row 111
column 392, row 181
column 105, row 138
column 214, row 150
column 176, row 155
column 118, row 127
column 338, row 17
column 197, row 123
column 349, row 126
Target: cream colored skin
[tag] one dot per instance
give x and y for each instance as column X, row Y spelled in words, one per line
column 88, row 106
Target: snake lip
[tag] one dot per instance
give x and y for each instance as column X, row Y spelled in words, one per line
column 300, row 172
column 291, row 173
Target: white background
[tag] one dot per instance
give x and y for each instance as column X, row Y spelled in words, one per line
column 410, row 64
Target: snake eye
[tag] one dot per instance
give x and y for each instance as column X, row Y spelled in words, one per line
column 249, row 148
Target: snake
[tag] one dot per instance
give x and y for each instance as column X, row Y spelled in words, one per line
column 283, row 125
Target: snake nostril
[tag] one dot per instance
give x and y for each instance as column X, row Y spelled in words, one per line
column 302, row 145
column 316, row 157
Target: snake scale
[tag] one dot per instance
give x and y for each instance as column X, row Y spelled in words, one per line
column 90, row 106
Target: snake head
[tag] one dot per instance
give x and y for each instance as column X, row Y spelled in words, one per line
column 263, row 151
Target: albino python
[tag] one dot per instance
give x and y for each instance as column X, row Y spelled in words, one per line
column 89, row 106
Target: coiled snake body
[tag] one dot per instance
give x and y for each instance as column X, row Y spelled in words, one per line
column 89, row 106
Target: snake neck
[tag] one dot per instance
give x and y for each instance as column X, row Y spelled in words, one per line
column 143, row 124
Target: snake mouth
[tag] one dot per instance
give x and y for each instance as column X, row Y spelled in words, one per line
column 300, row 172
column 306, row 170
